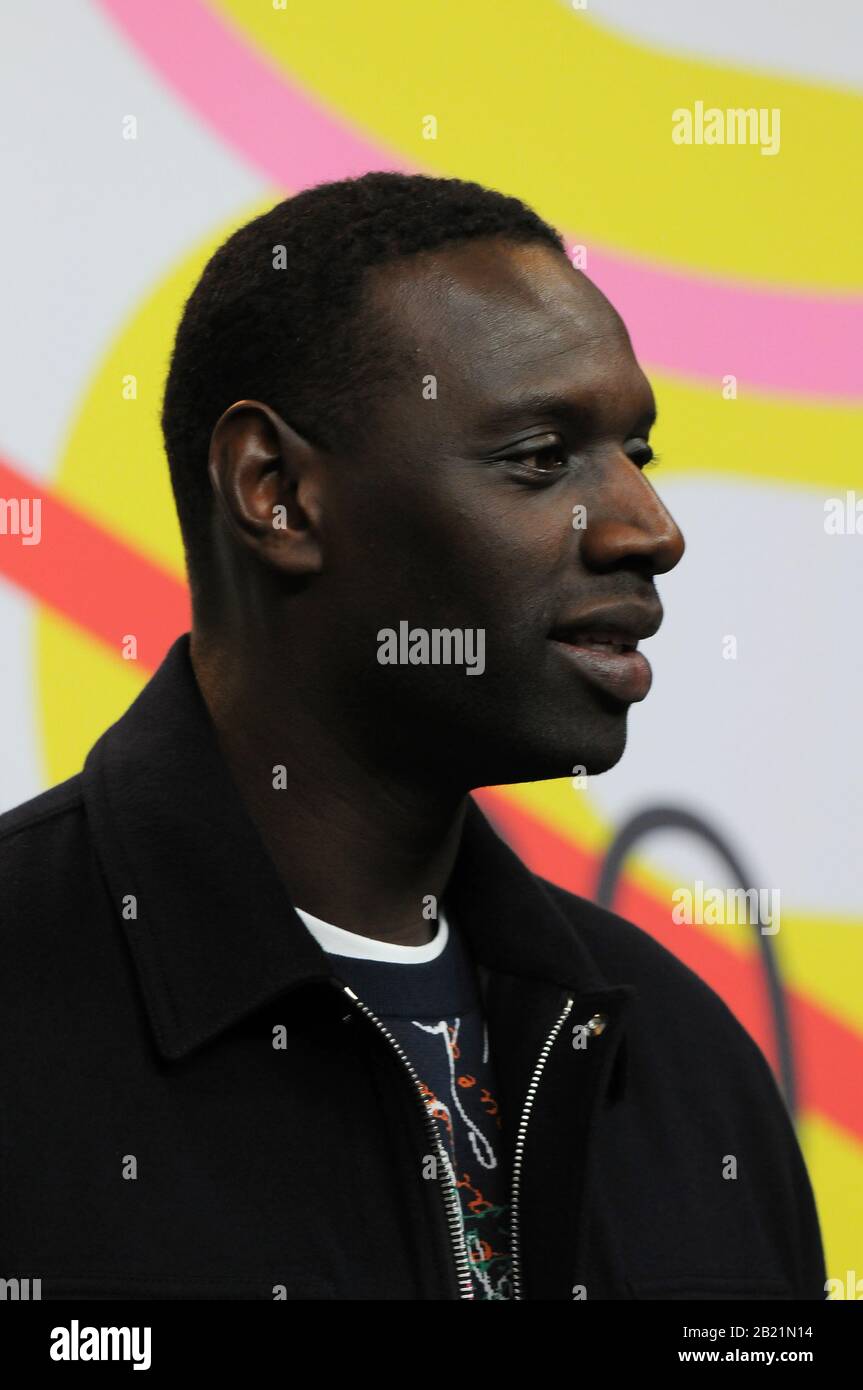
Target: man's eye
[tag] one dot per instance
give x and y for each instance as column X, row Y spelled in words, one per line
column 550, row 459
column 641, row 453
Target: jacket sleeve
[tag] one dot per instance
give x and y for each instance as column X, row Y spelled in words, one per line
column 789, row 1197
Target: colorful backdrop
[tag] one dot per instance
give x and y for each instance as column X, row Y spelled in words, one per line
column 138, row 133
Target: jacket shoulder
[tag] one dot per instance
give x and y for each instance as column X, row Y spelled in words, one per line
column 60, row 801
column 690, row 1050
column 45, row 855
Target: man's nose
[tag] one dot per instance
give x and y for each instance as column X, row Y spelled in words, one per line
column 628, row 524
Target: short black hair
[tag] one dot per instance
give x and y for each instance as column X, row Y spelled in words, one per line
column 298, row 338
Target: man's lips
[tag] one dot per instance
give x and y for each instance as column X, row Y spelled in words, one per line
column 601, row 641
column 602, row 645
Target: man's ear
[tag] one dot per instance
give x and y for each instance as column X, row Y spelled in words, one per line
column 267, row 482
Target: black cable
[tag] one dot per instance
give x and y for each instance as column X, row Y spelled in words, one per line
column 671, row 818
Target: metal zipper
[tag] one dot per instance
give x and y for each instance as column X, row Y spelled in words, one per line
column 519, row 1148
column 452, row 1202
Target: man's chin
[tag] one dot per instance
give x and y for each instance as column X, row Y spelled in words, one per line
column 583, row 758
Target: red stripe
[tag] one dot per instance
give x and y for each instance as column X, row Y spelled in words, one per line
column 99, row 583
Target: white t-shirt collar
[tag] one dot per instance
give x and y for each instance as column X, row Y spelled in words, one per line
column 339, row 942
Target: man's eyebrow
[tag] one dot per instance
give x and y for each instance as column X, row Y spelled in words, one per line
column 511, row 412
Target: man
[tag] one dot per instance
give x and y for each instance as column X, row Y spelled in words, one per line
column 287, row 1018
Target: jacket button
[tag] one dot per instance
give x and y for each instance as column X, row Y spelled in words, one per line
column 596, row 1025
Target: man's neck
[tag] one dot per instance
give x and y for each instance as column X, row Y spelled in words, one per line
column 364, row 851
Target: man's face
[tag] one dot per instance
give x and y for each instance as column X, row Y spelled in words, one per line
column 481, row 507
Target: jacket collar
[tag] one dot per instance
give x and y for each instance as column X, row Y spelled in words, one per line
column 211, row 928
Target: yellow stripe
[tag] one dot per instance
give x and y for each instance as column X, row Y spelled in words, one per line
column 835, row 1163
column 543, row 103
column 758, row 437
column 83, row 688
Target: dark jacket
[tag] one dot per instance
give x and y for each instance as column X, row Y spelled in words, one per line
column 148, row 950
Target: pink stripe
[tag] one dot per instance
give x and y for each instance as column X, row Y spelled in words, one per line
column 772, row 340
column 696, row 328
column 276, row 126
